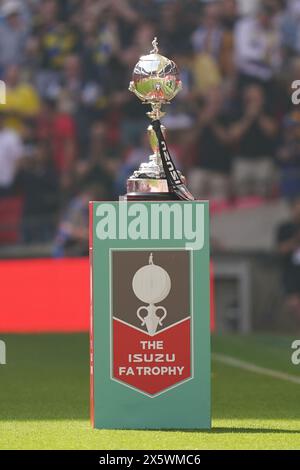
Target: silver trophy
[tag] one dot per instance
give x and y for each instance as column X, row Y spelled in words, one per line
column 155, row 81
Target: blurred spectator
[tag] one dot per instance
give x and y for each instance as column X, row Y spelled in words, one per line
column 78, row 96
column 288, row 238
column 229, row 18
column 57, row 128
column 101, row 167
column 11, row 150
column 99, row 43
column 248, row 8
column 229, row 14
column 13, row 34
column 73, row 87
column 174, row 35
column 208, row 36
column 134, row 157
column 207, row 43
column 56, row 38
column 22, row 100
column 254, row 133
column 289, row 156
column 83, row 98
column 290, row 28
column 53, row 40
column 258, row 44
column 73, row 233
column 37, row 180
column 210, row 177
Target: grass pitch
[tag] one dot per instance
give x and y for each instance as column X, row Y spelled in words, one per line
column 44, row 398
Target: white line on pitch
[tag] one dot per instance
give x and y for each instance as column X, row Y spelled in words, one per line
column 248, row 366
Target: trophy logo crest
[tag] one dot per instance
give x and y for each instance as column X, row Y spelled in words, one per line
column 151, row 318
column 151, row 284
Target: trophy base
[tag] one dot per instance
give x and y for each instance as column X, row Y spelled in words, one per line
column 149, row 189
column 159, row 196
column 146, row 184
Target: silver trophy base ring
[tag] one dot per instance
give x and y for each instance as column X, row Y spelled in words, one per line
column 148, row 189
column 147, row 185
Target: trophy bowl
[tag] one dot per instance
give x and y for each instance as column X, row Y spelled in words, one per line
column 155, row 79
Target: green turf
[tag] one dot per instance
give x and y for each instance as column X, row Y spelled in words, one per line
column 44, row 399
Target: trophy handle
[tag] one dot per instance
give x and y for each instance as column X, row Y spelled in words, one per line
column 132, row 88
column 140, row 317
column 160, row 307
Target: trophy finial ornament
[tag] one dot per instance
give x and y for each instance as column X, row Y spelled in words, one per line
column 155, row 46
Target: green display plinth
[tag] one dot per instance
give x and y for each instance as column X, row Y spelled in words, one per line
column 150, row 332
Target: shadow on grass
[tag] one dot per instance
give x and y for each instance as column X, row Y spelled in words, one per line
column 215, row 430
column 244, row 430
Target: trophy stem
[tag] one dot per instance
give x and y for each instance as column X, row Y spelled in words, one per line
column 156, row 113
column 155, row 158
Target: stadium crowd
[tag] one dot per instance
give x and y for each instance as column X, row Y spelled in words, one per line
column 71, row 131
